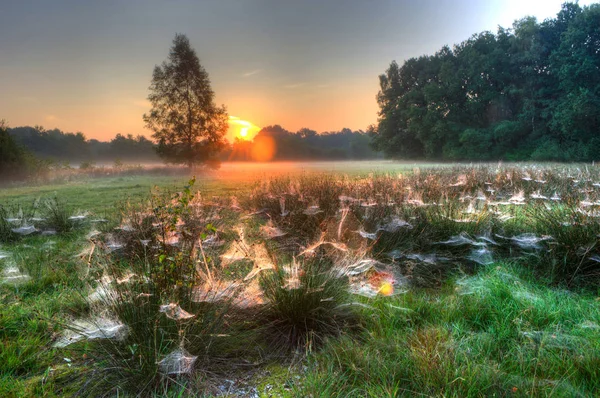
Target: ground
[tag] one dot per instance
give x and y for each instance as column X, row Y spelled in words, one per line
column 506, row 327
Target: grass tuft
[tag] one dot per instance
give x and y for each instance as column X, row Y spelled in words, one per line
column 305, row 304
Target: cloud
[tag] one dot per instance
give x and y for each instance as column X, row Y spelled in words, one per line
column 240, row 124
column 236, row 120
column 51, row 118
column 252, row 72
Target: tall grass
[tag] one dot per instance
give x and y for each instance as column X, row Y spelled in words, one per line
column 132, row 364
column 6, row 233
column 493, row 206
column 150, row 290
column 480, row 258
column 305, row 304
column 58, row 215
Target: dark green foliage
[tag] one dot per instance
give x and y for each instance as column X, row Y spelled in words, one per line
column 15, row 162
column 530, row 92
column 52, row 143
column 130, row 148
column 304, row 144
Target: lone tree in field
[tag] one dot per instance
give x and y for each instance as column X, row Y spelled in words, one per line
column 187, row 124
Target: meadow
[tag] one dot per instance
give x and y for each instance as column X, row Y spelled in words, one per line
column 324, row 279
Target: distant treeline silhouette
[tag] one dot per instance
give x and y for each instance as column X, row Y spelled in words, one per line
column 58, row 145
column 527, row 93
column 305, row 144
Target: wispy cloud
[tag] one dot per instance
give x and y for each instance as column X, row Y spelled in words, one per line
column 238, row 121
column 252, row 72
column 294, row 85
column 51, row 118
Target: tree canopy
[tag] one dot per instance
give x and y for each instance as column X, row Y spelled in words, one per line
column 527, row 93
column 187, row 125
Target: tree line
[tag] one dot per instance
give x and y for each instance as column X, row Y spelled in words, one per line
column 527, row 93
column 58, row 145
column 305, row 144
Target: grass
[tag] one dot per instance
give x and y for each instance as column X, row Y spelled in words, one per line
column 526, row 323
column 497, row 333
column 306, row 304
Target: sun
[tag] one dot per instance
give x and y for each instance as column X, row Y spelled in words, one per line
column 242, row 128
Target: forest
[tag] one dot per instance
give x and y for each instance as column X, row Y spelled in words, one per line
column 527, row 93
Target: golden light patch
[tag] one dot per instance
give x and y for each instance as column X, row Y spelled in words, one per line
column 263, row 149
column 242, row 128
column 386, row 289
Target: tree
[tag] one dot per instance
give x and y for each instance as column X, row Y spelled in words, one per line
column 187, row 124
column 516, row 95
column 14, row 160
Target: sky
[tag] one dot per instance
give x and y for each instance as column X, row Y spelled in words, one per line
column 86, row 65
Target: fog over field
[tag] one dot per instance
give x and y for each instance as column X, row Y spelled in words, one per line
column 300, row 199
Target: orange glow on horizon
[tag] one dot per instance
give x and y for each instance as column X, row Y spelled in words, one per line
column 263, row 149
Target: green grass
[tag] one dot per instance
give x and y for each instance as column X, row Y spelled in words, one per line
column 98, row 195
column 526, row 325
column 494, row 334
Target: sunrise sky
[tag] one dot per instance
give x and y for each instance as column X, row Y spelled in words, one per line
column 86, row 66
